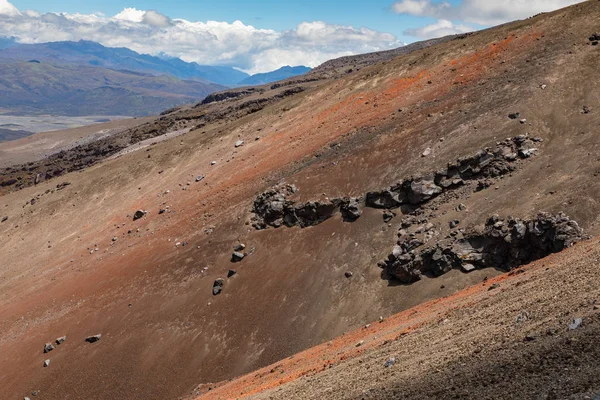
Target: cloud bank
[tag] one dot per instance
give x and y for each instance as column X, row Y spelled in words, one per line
column 480, row 12
column 208, row 43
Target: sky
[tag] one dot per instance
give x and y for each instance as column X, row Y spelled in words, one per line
column 257, row 35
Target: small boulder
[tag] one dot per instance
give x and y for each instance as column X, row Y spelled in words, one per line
column 467, row 267
column 240, row 247
column 199, row 178
column 218, row 286
column 348, row 274
column 61, row 340
column 237, row 256
column 231, row 273
column 93, row 339
column 427, row 152
column 48, row 347
column 239, row 143
column 454, row 223
column 390, row 361
column 575, row 324
column 388, row 216
column 4, row 219
column 138, row 214
column 46, row 363
column 514, row 115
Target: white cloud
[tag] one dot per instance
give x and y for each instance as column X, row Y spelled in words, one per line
column 208, row 43
column 7, row 9
column 483, row 12
column 441, row 28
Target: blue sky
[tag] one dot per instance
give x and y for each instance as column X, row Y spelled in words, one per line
column 268, row 14
column 270, row 34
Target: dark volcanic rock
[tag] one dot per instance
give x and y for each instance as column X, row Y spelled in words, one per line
column 502, row 244
column 218, row 286
column 237, row 256
column 93, row 339
column 350, row 208
column 138, row 214
column 273, row 208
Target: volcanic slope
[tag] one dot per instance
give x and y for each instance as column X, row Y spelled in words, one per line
column 75, row 263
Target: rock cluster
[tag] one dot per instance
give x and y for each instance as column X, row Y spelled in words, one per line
column 595, row 38
column 273, row 208
column 485, row 164
column 502, row 243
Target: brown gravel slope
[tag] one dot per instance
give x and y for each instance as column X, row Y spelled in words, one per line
column 163, row 331
column 511, row 342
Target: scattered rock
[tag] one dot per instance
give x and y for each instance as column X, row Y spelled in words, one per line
column 575, row 324
column 46, row 363
column 348, row 274
column 114, row 239
column 514, row 115
column 427, row 152
column 237, row 256
column 93, row 339
column 239, row 143
column 529, row 338
column 231, row 273
column 454, row 223
column 461, row 207
column 523, row 121
column 213, row 163
column 4, row 219
column 239, row 247
column 359, row 343
column 493, row 286
column 138, row 214
column 48, row 347
column 388, row 216
column 467, row 267
column 594, row 37
column 218, row 286
column 199, row 178
column 390, row 361
column 586, row 110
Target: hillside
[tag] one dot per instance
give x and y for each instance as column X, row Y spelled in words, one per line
column 29, row 88
column 239, row 247
column 274, row 76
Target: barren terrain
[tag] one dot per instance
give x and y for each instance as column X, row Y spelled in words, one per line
column 76, row 263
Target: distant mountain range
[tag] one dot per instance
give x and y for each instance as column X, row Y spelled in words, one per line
column 86, row 52
column 87, row 78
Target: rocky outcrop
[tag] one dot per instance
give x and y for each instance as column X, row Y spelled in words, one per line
column 273, row 208
column 502, row 243
column 485, row 164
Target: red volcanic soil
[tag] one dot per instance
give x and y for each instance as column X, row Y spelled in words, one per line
column 149, row 292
